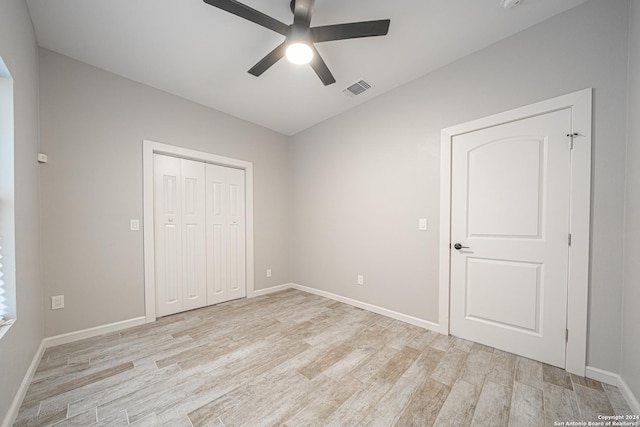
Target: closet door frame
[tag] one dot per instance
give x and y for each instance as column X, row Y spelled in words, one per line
column 149, row 148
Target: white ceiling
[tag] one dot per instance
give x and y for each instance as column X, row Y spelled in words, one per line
column 201, row 53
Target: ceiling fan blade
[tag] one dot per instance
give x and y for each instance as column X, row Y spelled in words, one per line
column 353, row 30
column 272, row 57
column 302, row 12
column 321, row 68
column 244, row 11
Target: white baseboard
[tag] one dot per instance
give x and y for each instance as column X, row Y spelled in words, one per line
column 602, row 376
column 93, row 332
column 363, row 305
column 370, row 307
column 615, row 380
column 278, row 288
column 631, row 398
column 12, row 413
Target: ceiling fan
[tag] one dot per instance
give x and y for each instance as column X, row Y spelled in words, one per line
column 300, row 37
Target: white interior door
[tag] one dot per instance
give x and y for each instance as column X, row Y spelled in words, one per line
column 179, row 227
column 510, row 212
column 226, row 245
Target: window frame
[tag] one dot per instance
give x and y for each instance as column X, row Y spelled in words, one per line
column 8, row 306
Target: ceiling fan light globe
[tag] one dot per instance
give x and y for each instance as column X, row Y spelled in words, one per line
column 299, row 53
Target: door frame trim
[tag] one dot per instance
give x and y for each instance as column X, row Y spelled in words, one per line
column 580, row 104
column 149, row 148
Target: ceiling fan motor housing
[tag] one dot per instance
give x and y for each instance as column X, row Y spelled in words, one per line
column 298, row 34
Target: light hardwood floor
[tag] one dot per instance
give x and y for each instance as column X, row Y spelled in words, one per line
column 296, row 359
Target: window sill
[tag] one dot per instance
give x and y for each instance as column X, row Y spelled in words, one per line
column 6, row 326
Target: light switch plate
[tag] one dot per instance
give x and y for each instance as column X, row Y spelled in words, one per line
column 422, row 224
column 134, row 225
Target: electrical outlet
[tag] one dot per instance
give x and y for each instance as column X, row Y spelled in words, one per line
column 360, row 279
column 268, row 272
column 57, row 302
column 134, row 225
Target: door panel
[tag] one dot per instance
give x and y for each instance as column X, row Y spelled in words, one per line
column 168, row 235
column 190, row 254
column 171, row 268
column 217, row 288
column 510, row 207
column 226, row 276
column 520, row 161
column 179, row 215
column 490, row 280
column 215, row 255
column 194, row 239
column 236, row 224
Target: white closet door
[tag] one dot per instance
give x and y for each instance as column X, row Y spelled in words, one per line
column 194, row 235
column 179, row 215
column 226, row 265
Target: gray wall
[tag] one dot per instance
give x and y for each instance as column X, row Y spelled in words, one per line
column 630, row 364
column 361, row 180
column 19, row 52
column 93, row 123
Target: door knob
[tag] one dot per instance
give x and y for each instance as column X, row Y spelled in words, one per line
column 459, row 246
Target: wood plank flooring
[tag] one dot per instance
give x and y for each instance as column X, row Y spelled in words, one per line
column 296, row 359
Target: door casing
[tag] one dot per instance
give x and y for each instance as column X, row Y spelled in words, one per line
column 580, row 104
column 149, row 148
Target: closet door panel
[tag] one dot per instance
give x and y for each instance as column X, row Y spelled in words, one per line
column 194, row 235
column 237, row 237
column 226, row 246
column 168, row 235
column 217, row 282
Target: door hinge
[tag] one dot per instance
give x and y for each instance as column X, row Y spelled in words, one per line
column 569, row 239
column 571, row 135
column 566, row 335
